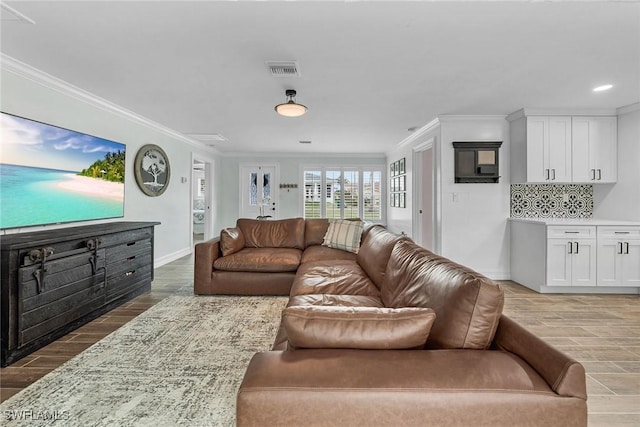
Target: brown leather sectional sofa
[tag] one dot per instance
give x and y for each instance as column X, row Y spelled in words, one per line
column 391, row 336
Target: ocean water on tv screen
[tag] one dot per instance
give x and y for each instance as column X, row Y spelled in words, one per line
column 31, row 196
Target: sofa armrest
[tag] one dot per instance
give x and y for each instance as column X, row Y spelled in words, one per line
column 205, row 254
column 564, row 375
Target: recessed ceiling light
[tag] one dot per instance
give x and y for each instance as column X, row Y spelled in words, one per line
column 602, row 88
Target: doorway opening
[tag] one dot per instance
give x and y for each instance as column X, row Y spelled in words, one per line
column 424, row 194
column 201, row 200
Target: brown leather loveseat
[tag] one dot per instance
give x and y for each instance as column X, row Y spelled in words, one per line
column 398, row 336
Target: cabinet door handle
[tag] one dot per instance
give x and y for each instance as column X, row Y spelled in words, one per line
column 593, row 174
column 620, row 248
column 577, row 248
column 599, row 174
column 621, row 232
column 626, row 248
column 570, row 247
column 571, row 232
column 547, row 172
column 554, row 174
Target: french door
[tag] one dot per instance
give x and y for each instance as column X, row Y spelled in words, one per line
column 259, row 191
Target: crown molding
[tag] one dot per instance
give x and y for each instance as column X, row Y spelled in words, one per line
column 628, row 109
column 19, row 68
column 418, row 134
column 561, row 112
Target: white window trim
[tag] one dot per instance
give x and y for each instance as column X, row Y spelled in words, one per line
column 342, row 168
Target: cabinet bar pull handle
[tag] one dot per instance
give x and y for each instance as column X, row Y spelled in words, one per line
column 593, row 174
column 626, row 250
column 620, row 248
column 571, row 232
column 570, row 247
column 554, row 174
column 599, row 174
column 547, row 172
column 621, row 232
column 577, row 248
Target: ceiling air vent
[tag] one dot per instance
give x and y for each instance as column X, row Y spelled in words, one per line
column 283, row 68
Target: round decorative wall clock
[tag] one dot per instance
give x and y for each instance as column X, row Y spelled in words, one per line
column 152, row 170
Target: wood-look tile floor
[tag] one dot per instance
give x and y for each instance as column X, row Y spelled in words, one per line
column 600, row 331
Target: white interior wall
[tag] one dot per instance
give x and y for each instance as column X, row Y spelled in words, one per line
column 290, row 169
column 400, row 220
column 622, row 200
column 33, row 97
column 474, row 217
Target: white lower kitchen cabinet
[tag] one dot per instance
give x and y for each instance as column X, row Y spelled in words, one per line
column 571, row 262
column 576, row 256
column 618, row 256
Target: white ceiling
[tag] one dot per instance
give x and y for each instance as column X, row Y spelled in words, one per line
column 370, row 70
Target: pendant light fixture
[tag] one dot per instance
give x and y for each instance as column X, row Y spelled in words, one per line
column 290, row 108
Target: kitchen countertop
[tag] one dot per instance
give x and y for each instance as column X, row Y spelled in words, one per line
column 575, row 221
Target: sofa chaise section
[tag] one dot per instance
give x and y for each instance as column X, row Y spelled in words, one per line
column 494, row 388
column 475, row 366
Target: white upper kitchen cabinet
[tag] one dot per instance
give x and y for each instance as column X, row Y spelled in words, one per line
column 548, row 149
column 594, row 150
column 541, row 149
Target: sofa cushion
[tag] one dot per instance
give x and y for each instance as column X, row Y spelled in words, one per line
column 333, row 277
column 375, row 251
column 260, row 260
column 344, row 234
column 328, row 299
column 324, row 253
column 231, row 241
column 357, row 327
column 285, row 233
column 314, row 231
column 467, row 304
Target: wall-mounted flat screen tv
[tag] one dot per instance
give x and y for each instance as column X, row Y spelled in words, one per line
column 52, row 175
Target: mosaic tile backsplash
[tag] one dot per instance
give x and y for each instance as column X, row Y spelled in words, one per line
column 551, row 201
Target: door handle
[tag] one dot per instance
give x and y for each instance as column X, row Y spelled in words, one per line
column 626, row 250
column 593, row 174
column 620, row 248
column 577, row 248
column 547, row 172
column 599, row 174
column 570, row 247
column 554, row 174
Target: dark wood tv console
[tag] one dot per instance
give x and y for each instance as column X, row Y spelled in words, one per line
column 54, row 281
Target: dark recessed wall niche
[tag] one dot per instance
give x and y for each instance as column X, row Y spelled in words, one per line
column 477, row 161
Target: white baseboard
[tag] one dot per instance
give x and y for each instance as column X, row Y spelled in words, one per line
column 159, row 262
column 589, row 290
column 497, row 275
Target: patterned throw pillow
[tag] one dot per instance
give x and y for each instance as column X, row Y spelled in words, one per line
column 344, row 234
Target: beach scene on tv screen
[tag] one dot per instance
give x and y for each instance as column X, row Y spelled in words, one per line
column 52, row 175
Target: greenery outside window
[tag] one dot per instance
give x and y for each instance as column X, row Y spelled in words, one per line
column 347, row 192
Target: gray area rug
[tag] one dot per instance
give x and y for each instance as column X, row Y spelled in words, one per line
column 179, row 363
